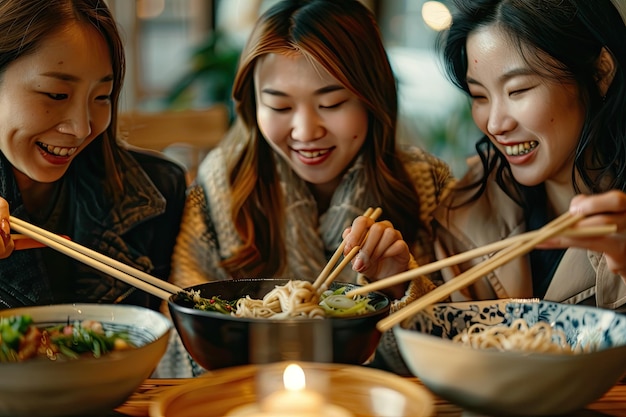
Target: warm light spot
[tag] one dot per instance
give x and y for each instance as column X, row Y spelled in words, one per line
column 149, row 9
column 436, row 15
column 293, row 378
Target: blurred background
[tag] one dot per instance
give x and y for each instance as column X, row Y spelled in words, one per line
column 182, row 56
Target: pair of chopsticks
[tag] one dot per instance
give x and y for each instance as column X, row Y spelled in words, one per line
column 508, row 249
column 326, row 277
column 119, row 270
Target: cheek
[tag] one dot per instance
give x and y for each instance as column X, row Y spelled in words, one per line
column 480, row 114
column 100, row 120
column 354, row 125
column 269, row 126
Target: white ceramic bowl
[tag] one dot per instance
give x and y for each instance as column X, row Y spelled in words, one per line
column 509, row 383
column 83, row 386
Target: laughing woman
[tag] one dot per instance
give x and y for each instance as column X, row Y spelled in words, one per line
column 61, row 168
column 547, row 83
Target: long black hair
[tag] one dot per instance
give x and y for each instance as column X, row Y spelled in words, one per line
column 573, row 33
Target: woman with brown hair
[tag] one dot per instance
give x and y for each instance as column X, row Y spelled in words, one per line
column 313, row 146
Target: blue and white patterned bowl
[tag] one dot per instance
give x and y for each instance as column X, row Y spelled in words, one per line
column 513, row 383
column 85, row 386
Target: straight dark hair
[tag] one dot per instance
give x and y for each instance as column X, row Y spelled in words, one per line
column 25, row 24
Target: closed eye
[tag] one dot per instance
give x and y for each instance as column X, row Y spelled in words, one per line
column 55, row 96
column 280, row 109
column 333, row 106
column 520, row 91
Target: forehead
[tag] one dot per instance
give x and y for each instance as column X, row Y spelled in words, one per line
column 78, row 47
column 492, row 43
column 289, row 68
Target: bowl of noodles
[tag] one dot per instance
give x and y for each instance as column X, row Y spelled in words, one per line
column 76, row 359
column 254, row 321
column 515, row 357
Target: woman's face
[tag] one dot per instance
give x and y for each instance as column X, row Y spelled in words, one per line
column 308, row 117
column 54, row 102
column 534, row 121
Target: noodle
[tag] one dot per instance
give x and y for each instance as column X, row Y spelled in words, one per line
column 540, row 337
column 294, row 299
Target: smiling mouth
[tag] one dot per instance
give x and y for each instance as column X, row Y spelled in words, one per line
column 57, row 150
column 313, row 154
column 521, row 148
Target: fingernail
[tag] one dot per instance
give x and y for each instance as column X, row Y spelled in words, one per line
column 5, row 231
column 361, row 261
column 357, row 264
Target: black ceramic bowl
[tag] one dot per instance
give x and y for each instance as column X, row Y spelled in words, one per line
column 217, row 340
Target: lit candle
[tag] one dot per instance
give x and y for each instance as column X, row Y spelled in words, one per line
column 295, row 400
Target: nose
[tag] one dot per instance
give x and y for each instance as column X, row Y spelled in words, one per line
column 500, row 120
column 77, row 122
column 307, row 125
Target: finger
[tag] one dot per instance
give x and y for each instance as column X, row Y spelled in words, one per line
column 613, row 201
column 6, row 243
column 5, row 231
column 362, row 261
column 381, row 235
column 357, row 233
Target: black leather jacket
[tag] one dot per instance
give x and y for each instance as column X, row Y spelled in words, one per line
column 140, row 231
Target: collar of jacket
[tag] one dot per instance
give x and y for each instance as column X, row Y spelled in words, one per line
column 99, row 223
column 140, row 201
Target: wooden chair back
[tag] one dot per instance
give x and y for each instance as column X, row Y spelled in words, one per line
column 185, row 136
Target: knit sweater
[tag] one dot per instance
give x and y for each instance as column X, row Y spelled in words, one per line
column 207, row 234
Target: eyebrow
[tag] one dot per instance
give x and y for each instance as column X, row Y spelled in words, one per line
column 324, row 90
column 506, row 76
column 68, row 77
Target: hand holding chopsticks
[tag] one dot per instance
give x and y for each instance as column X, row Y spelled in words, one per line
column 591, row 231
column 119, row 270
column 326, row 277
column 468, row 277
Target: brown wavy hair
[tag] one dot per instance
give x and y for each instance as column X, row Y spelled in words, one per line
column 343, row 37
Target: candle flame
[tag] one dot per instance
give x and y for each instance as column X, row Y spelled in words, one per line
column 293, row 378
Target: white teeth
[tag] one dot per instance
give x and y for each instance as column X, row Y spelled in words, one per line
column 57, row 150
column 313, row 154
column 521, row 148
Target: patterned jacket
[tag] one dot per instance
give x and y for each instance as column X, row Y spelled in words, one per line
column 140, row 231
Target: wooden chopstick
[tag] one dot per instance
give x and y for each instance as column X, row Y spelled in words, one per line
column 333, row 260
column 589, row 231
column 325, row 278
column 346, row 260
column 119, row 270
column 473, row 274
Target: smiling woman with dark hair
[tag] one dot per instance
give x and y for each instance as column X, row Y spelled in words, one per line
column 547, row 82
column 61, row 166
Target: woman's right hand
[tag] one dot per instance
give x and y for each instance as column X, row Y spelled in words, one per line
column 6, row 243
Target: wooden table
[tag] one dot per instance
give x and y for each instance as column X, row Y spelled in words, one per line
column 612, row 404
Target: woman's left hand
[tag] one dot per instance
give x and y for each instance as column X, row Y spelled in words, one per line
column 600, row 209
column 383, row 252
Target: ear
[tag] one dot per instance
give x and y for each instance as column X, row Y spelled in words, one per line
column 605, row 66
